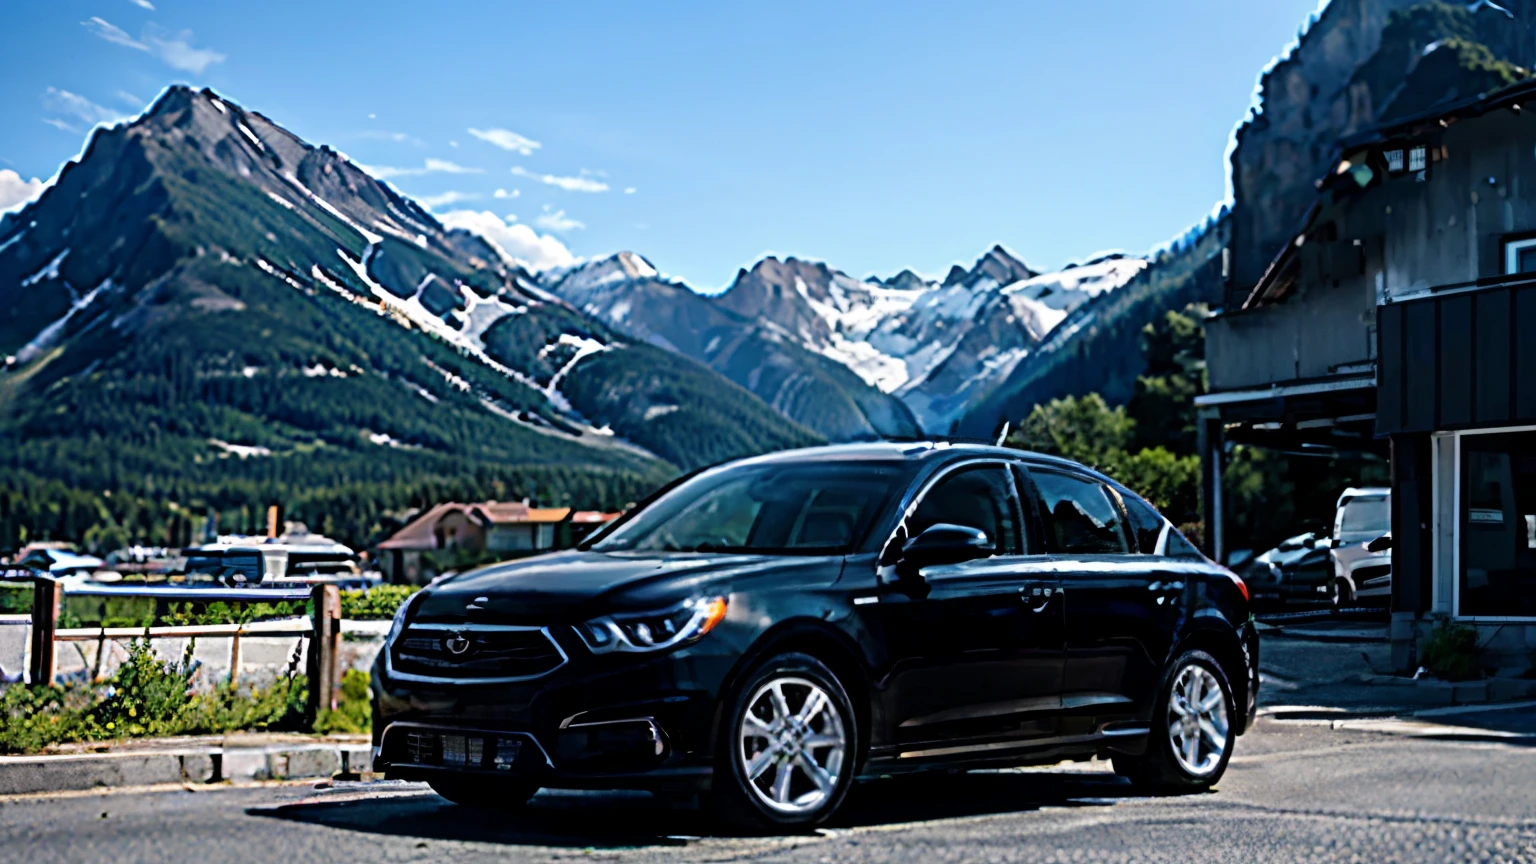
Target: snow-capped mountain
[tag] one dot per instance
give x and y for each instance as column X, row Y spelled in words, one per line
column 931, row 345
column 222, row 280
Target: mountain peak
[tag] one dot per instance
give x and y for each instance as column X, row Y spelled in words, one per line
column 618, row 267
column 998, row 264
column 906, row 280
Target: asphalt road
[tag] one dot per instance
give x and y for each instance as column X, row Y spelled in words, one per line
column 1295, row 792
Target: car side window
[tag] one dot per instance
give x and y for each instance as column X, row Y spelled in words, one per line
column 1180, row 547
column 978, row 497
column 1080, row 518
column 1146, row 524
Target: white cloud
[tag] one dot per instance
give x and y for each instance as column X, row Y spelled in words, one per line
column 502, row 193
column 173, row 49
column 177, row 51
column 15, row 192
column 506, row 139
column 516, row 241
column 557, row 221
column 443, row 166
column 430, row 166
column 59, row 124
column 143, row 4
column 129, row 99
column 570, row 184
column 432, row 202
column 397, row 137
column 103, row 28
column 78, row 107
column 453, row 144
column 629, row 190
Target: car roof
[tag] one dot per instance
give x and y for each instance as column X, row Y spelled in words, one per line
column 930, row 451
column 1364, row 492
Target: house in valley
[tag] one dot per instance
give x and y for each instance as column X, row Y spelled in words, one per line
column 506, row 529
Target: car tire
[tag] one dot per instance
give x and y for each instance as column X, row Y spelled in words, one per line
column 1191, row 739
column 1341, row 593
column 485, row 793
column 787, row 748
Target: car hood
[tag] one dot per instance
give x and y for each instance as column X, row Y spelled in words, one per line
column 1289, row 557
column 570, row 587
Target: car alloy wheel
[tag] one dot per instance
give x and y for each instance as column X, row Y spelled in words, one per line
column 1198, row 727
column 792, row 745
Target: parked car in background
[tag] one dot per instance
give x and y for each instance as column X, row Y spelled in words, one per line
column 768, row 630
column 1359, row 573
column 1299, row 569
column 291, row 558
column 60, row 562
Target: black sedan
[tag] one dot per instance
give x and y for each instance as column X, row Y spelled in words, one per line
column 770, row 630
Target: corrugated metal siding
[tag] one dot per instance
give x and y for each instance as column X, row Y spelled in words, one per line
column 1458, row 361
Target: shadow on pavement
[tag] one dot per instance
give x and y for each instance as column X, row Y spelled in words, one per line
column 628, row 819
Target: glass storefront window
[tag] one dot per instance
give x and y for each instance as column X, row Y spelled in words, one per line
column 1498, row 525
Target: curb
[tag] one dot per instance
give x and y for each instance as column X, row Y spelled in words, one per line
column 1323, row 712
column 28, row 775
column 1315, row 616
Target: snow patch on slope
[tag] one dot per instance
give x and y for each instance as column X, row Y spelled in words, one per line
column 48, row 271
column 1043, row 302
column 46, row 337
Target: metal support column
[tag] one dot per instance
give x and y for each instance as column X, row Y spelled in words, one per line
column 1212, row 507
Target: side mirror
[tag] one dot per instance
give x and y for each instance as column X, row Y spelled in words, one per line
column 1380, row 544
column 943, row 544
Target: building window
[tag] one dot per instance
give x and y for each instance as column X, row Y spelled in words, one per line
column 1394, row 160
column 1418, row 158
column 1496, row 525
column 1520, row 256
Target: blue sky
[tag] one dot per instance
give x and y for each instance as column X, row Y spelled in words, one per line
column 873, row 135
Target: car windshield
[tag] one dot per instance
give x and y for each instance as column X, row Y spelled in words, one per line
column 1367, row 515
column 775, row 509
column 224, row 566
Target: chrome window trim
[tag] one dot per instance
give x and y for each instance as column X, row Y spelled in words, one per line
column 389, row 654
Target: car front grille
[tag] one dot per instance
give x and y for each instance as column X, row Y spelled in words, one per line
column 408, row 745
column 475, row 652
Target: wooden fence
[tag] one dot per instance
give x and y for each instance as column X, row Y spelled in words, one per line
column 323, row 629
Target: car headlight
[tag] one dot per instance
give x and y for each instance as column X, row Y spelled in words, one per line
column 654, row 631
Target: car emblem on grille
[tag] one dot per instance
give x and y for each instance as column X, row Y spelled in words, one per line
column 456, row 644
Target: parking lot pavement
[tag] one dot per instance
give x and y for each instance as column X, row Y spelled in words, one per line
column 1323, row 663
column 1295, row 791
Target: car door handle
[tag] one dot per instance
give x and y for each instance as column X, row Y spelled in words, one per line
column 1038, row 597
column 1167, row 592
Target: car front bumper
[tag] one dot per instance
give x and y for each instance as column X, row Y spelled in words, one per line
column 609, row 721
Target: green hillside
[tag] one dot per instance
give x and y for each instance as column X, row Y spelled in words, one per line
column 207, row 316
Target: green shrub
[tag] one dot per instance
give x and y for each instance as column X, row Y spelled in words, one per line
column 145, row 697
column 15, row 598
column 375, row 604
column 354, row 707
column 1451, row 652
